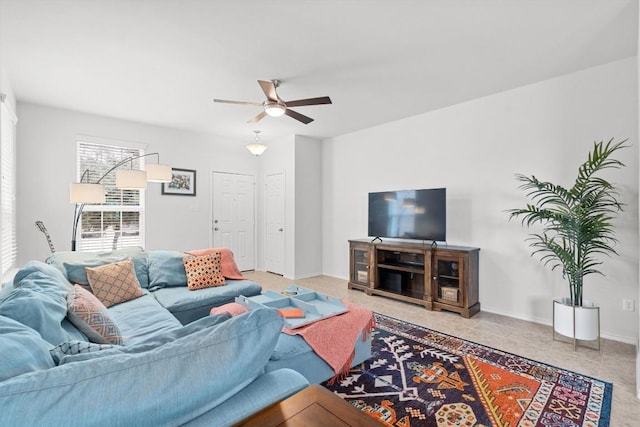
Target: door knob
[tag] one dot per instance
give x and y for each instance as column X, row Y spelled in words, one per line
column 280, row 229
column 215, row 229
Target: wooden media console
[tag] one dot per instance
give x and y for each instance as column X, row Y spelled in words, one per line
column 440, row 278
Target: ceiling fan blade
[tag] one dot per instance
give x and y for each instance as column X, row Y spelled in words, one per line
column 310, row 101
column 225, row 101
column 269, row 90
column 300, row 117
column 257, row 118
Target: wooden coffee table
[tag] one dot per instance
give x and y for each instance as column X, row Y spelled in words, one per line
column 314, row 406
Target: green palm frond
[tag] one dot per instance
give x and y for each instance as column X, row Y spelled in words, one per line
column 577, row 223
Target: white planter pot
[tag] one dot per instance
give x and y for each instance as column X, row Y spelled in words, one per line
column 577, row 322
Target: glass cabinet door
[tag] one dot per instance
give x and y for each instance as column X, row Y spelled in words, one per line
column 447, row 279
column 360, row 270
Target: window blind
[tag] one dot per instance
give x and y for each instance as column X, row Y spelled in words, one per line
column 119, row 222
column 8, row 242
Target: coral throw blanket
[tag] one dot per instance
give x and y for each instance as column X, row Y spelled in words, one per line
column 333, row 339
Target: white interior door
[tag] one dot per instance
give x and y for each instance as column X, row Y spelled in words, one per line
column 233, row 213
column 274, row 219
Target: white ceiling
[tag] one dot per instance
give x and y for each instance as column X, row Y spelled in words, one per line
column 162, row 62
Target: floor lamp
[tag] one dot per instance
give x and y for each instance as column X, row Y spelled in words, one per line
column 82, row 193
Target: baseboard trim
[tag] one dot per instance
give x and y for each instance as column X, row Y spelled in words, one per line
column 627, row 340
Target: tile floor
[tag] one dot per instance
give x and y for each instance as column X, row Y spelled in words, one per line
column 615, row 362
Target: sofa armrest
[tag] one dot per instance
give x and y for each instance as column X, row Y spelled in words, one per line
column 171, row 384
column 266, row 390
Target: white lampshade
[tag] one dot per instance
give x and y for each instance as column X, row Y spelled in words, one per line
column 86, row 193
column 158, row 173
column 131, row 179
column 256, row 149
column 274, row 109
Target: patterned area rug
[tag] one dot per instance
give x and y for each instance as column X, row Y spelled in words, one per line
column 420, row 377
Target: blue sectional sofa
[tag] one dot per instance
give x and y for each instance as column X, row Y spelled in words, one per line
column 208, row 372
column 177, row 365
column 162, row 273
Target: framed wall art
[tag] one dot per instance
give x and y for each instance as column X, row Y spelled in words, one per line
column 183, row 183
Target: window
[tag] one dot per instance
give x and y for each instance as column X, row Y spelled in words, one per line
column 119, row 222
column 8, row 244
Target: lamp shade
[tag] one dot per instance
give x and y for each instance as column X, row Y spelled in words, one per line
column 274, row 109
column 256, row 149
column 86, row 193
column 132, row 179
column 158, row 173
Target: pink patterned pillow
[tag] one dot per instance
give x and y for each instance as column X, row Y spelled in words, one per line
column 203, row 271
column 114, row 283
column 91, row 317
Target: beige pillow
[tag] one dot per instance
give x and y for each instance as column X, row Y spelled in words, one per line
column 114, row 283
column 203, row 271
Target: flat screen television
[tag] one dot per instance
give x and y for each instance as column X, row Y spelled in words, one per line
column 409, row 214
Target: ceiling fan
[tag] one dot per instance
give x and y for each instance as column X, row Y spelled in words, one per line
column 275, row 107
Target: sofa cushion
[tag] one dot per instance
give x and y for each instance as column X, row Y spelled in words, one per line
column 266, row 390
column 58, row 279
column 38, row 300
column 200, row 371
column 203, row 271
column 290, row 346
column 149, row 343
column 22, row 349
column 188, row 305
column 142, row 318
column 229, row 267
column 114, row 283
column 166, row 269
column 90, row 316
column 72, row 263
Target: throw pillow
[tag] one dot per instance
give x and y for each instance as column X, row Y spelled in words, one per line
column 114, row 283
column 203, row 271
column 166, row 269
column 75, row 347
column 227, row 261
column 233, row 308
column 73, row 263
column 91, row 317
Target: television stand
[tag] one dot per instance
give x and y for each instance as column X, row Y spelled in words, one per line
column 439, row 278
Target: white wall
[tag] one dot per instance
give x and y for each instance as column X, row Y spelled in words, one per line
column 474, row 149
column 5, row 88
column 299, row 159
column 47, row 164
column 308, row 207
column 638, row 335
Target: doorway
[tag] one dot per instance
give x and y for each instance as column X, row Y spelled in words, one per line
column 233, row 216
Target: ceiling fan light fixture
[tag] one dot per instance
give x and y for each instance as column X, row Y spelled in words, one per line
column 257, row 147
column 274, row 109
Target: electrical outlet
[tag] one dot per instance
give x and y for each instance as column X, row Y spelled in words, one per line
column 628, row 305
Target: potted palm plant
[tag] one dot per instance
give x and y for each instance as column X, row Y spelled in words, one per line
column 577, row 228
